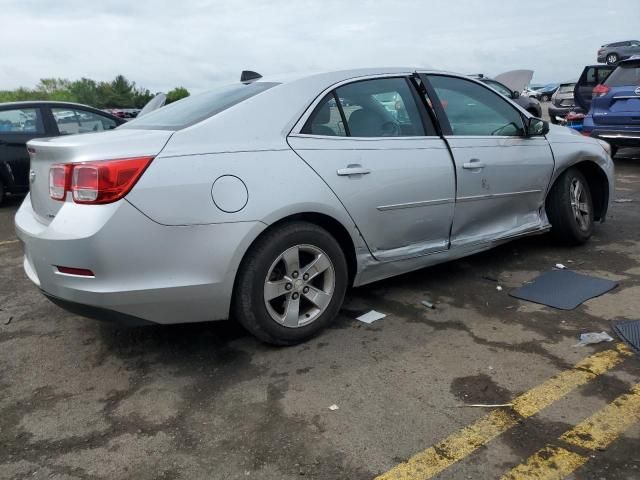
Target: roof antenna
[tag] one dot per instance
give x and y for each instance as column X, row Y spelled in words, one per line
column 247, row 76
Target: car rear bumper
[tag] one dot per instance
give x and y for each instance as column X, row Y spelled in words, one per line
column 144, row 271
column 618, row 137
column 561, row 112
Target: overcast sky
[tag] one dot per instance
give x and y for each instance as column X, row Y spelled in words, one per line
column 203, row 43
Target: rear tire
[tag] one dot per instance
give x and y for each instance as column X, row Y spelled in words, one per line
column 612, row 59
column 278, row 297
column 614, row 151
column 570, row 208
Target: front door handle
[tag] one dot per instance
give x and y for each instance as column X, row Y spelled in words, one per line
column 353, row 169
column 473, row 164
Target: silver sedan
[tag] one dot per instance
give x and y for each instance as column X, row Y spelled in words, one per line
column 264, row 200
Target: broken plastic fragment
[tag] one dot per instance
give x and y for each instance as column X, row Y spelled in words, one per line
column 499, row 288
column 560, row 266
column 334, row 407
column 428, row 304
column 371, row 316
column 592, row 338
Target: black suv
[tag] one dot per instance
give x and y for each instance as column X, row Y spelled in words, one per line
column 22, row 121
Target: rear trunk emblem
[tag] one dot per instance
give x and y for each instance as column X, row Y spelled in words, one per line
column 32, row 176
column 637, row 91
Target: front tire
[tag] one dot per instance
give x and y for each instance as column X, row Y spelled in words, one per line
column 570, row 208
column 612, row 59
column 291, row 284
column 545, row 98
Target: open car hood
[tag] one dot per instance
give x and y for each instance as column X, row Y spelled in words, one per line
column 516, row 80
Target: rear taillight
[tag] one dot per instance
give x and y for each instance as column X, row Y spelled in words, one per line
column 600, row 90
column 96, row 182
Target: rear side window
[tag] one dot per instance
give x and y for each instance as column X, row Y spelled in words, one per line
column 567, row 88
column 194, row 109
column 21, row 120
column 383, row 107
column 71, row 121
column 624, row 76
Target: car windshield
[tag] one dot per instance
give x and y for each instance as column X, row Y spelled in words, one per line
column 566, row 88
column 624, row 76
column 191, row 110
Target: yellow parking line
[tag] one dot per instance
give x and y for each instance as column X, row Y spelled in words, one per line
column 596, row 432
column 7, row 242
column 437, row 458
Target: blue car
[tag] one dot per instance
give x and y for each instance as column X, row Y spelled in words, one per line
column 614, row 115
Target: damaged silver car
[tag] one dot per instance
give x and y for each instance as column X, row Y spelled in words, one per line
column 265, row 200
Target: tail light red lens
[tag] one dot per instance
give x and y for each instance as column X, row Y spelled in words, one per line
column 98, row 182
column 600, row 90
column 81, row 272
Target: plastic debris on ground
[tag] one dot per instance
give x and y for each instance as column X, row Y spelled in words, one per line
column 560, row 266
column 334, row 407
column 428, row 304
column 592, row 338
column 499, row 288
column 371, row 316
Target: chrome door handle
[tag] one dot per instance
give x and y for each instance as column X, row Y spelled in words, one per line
column 473, row 164
column 353, row 170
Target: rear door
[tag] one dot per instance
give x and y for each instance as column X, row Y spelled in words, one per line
column 502, row 174
column 17, row 127
column 591, row 76
column 373, row 144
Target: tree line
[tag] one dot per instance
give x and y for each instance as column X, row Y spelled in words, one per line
column 118, row 93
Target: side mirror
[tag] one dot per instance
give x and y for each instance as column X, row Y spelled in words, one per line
column 515, row 94
column 537, row 127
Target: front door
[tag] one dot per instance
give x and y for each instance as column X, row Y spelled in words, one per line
column 502, row 174
column 373, row 144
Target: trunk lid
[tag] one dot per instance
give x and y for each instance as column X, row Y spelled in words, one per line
column 119, row 143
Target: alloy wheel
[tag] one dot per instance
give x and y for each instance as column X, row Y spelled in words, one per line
column 299, row 286
column 580, row 204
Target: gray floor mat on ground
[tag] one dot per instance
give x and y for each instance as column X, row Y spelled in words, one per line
column 629, row 331
column 563, row 289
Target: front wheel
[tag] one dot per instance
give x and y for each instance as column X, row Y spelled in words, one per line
column 544, row 98
column 612, row 59
column 291, row 284
column 570, row 208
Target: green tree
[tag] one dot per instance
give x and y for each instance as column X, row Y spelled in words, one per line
column 177, row 94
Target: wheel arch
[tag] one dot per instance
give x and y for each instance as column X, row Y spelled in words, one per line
column 329, row 223
column 598, row 185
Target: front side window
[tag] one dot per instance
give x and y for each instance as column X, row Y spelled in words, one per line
column 21, row 120
column 473, row 109
column 71, row 121
column 500, row 88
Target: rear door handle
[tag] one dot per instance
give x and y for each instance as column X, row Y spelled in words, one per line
column 353, row 170
column 473, row 164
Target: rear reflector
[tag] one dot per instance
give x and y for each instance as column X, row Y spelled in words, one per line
column 82, row 272
column 59, row 181
column 96, row 182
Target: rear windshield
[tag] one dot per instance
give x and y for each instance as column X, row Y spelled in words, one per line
column 194, row 109
column 624, row 76
column 566, row 88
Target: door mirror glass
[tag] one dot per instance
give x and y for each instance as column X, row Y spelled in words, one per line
column 537, row 127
